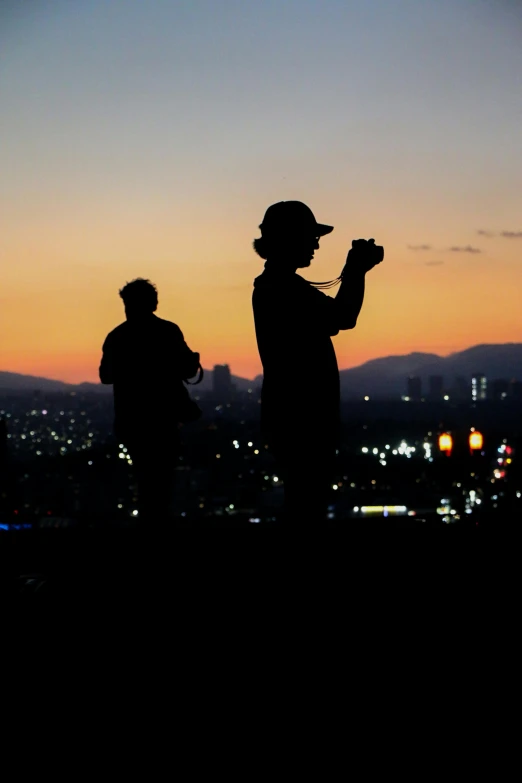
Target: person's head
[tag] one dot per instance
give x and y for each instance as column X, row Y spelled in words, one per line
column 140, row 298
column 290, row 234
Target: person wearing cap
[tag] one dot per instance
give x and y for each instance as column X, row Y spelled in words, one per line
column 294, row 324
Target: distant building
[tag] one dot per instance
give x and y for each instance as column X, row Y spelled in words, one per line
column 3, row 437
column 436, row 387
column 3, row 462
column 500, row 389
column 461, row 389
column 222, row 381
column 479, row 387
column 515, row 390
column 414, row 388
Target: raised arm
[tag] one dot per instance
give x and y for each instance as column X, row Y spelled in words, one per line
column 350, row 297
column 362, row 257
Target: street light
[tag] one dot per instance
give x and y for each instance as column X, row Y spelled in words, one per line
column 476, row 441
column 446, row 443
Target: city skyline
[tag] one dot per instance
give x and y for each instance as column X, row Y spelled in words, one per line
column 148, row 140
column 413, row 377
column 390, row 463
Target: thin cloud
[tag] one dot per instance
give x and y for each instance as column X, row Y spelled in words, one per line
column 434, row 263
column 419, row 247
column 466, row 249
column 506, row 234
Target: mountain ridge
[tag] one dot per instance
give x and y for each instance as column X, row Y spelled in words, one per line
column 381, row 377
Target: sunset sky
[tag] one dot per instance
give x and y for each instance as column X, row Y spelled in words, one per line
column 147, row 138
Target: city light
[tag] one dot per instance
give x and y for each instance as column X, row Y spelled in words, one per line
column 237, row 487
column 476, row 441
column 382, row 509
column 445, row 443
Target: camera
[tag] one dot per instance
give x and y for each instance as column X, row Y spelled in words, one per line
column 366, row 253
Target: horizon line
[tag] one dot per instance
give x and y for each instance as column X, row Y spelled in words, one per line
column 344, row 369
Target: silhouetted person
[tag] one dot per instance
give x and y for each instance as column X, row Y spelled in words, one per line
column 294, row 324
column 146, row 359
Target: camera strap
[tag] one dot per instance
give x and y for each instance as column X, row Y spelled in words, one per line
column 201, row 374
column 328, row 283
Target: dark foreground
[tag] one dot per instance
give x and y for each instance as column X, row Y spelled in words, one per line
column 184, row 564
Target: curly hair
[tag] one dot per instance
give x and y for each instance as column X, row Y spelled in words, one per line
column 260, row 246
column 140, row 293
column 273, row 241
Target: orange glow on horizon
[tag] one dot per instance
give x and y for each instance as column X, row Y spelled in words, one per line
column 60, row 293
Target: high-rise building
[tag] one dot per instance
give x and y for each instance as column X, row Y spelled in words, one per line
column 414, row 388
column 461, row 389
column 515, row 389
column 222, row 380
column 436, row 387
column 3, row 442
column 479, row 387
column 499, row 389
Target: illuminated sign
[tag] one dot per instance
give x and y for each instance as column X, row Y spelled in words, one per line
column 476, row 441
column 383, row 509
column 445, row 443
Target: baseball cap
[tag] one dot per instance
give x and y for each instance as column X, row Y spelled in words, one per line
column 293, row 216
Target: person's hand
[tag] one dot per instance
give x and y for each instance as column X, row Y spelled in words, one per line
column 363, row 256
